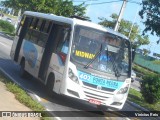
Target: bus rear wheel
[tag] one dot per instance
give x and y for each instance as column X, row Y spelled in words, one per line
column 50, row 84
column 23, row 72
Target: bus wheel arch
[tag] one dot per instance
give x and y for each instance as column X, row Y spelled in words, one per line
column 23, row 72
column 50, row 83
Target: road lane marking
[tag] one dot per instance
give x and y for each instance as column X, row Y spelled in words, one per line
column 58, row 118
column 115, row 116
column 4, row 44
column 38, row 98
column 48, row 109
column 44, row 100
column 128, row 119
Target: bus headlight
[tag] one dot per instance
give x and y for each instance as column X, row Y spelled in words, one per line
column 123, row 90
column 72, row 76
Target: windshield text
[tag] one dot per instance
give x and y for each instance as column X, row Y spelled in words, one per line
column 84, row 54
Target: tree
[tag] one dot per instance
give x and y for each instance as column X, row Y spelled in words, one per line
column 125, row 26
column 151, row 13
column 146, row 52
column 150, row 88
column 58, row 7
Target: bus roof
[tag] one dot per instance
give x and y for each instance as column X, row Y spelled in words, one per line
column 96, row 26
column 73, row 21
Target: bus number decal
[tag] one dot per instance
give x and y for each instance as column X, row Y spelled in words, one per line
column 99, row 81
column 84, row 76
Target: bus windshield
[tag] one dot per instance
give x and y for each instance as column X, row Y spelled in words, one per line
column 100, row 51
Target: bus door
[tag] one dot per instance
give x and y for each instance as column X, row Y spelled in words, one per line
column 21, row 31
column 45, row 60
column 56, row 35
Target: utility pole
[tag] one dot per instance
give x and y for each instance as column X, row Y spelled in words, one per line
column 120, row 15
column 18, row 18
column 133, row 23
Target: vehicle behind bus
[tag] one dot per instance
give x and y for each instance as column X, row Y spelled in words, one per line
column 74, row 57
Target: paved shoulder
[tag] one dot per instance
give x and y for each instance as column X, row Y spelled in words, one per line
column 9, row 103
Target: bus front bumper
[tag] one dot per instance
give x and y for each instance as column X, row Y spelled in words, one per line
column 94, row 96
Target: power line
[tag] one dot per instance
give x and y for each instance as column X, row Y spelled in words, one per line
column 85, row 1
column 104, row 2
column 130, row 1
column 139, row 3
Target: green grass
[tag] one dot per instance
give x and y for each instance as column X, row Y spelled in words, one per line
column 157, row 62
column 137, row 98
column 7, row 28
column 10, row 16
column 8, row 33
column 22, row 96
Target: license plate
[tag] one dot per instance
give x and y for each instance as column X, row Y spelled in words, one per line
column 95, row 101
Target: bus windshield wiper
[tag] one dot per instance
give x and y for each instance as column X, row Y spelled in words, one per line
column 97, row 54
column 117, row 73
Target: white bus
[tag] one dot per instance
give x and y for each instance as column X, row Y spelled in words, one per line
column 74, row 57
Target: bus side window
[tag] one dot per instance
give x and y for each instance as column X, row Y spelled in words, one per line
column 28, row 33
column 39, row 25
column 33, row 23
column 45, row 29
column 34, row 31
column 63, row 43
column 47, row 26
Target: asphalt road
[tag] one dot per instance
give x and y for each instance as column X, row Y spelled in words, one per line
column 56, row 102
column 12, row 19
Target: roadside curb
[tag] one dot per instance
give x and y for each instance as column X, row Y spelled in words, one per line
column 137, row 106
column 11, row 79
column 27, row 91
column 7, row 36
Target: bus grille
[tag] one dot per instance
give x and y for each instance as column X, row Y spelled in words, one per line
column 95, row 86
column 91, row 92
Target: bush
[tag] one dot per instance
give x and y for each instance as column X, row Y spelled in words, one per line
column 142, row 71
column 156, row 62
column 150, row 88
column 6, row 27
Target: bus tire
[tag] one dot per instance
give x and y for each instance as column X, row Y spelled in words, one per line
column 50, row 85
column 23, row 72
